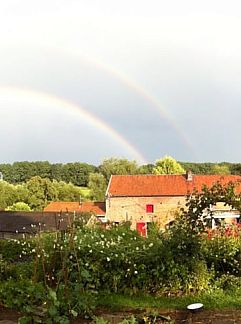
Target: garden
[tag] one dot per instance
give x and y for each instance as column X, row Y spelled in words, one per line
column 61, row 276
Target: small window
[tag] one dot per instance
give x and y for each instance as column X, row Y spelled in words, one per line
column 149, row 208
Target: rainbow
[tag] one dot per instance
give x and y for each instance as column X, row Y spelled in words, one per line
column 137, row 88
column 77, row 110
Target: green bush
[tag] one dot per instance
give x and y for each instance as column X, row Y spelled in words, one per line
column 59, row 275
column 223, row 254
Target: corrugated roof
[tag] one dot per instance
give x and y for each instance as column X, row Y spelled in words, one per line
column 22, row 222
column 163, row 185
column 97, row 208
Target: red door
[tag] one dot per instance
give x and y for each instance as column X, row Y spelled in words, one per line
column 141, row 228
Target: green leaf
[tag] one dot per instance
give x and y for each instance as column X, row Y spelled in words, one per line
column 53, row 311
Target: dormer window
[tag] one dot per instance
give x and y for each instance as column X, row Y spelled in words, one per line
column 150, row 208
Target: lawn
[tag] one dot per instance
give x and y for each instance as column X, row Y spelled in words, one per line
column 85, row 192
column 216, row 300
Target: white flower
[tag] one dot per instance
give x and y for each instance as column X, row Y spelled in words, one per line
column 151, row 244
column 108, row 259
column 90, row 251
column 137, row 248
column 135, row 272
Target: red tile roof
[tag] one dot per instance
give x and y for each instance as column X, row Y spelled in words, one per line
column 97, row 208
column 163, row 185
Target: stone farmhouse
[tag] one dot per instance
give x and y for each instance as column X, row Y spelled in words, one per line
column 148, row 198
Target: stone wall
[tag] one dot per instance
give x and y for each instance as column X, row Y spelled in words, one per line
column 133, row 209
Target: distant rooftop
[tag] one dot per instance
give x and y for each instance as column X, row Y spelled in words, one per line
column 97, row 208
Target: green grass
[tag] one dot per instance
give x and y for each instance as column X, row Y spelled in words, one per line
column 85, row 192
column 214, row 300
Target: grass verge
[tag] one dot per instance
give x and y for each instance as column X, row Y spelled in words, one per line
column 211, row 300
column 85, row 192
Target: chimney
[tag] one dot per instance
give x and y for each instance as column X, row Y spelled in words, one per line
column 189, row 175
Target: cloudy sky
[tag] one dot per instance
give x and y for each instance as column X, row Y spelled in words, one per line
column 85, row 80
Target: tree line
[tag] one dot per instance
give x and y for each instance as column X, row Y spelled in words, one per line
column 78, row 172
column 20, row 172
column 37, row 183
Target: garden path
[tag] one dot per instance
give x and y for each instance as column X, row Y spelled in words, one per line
column 179, row 316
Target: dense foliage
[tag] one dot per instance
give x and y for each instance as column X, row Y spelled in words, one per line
column 212, row 168
column 168, row 165
column 78, row 172
column 55, row 276
column 58, row 276
column 36, row 193
column 19, row 172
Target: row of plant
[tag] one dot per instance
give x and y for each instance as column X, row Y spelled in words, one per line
column 55, row 276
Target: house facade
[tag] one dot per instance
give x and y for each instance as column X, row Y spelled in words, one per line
column 148, row 198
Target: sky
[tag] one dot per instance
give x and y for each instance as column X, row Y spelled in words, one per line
column 88, row 80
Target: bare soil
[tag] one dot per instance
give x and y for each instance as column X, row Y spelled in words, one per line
column 8, row 316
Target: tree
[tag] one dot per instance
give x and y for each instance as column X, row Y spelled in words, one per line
column 67, row 191
column 21, row 193
column 41, row 191
column 197, row 203
column 21, row 171
column 146, row 169
column 97, row 185
column 220, row 169
column 185, row 234
column 117, row 166
column 168, row 165
column 19, row 206
column 6, row 170
column 56, row 171
column 7, row 194
column 77, row 173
